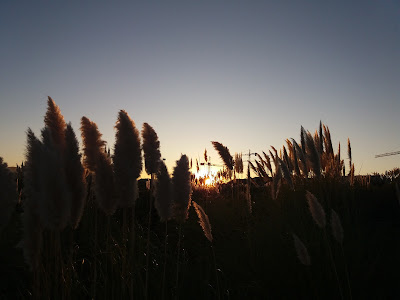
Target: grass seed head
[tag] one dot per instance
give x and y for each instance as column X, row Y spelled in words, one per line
column 301, row 251
column 163, row 193
column 181, row 189
column 316, row 210
column 151, row 149
column 203, row 221
column 127, row 159
column 75, row 176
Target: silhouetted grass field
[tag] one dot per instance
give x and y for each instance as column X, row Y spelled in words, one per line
column 302, row 228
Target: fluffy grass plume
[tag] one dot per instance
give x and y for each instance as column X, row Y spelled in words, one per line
column 300, row 154
column 163, row 193
column 127, row 159
column 32, row 229
column 267, row 162
column 321, row 139
column 287, row 161
column 104, row 185
column 352, row 173
column 285, row 172
column 317, row 142
column 54, row 207
column 261, row 171
column 75, row 176
column 295, row 162
column 151, row 149
column 92, row 143
column 301, row 251
column 313, row 155
column 303, row 139
column 181, row 189
column 277, row 178
column 328, row 141
column 203, row 221
column 316, row 210
column 224, row 154
column 45, row 184
column 54, row 120
column 33, row 157
column 8, row 194
column 349, row 152
column 337, row 229
column 238, row 163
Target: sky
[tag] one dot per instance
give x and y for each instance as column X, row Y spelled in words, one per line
column 247, row 74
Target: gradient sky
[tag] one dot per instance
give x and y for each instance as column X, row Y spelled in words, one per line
column 244, row 73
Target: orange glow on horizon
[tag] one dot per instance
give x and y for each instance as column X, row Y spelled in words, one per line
column 205, row 176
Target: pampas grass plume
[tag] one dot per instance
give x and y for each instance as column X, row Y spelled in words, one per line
column 151, row 149
column 349, row 152
column 32, row 228
column 224, row 154
column 75, row 176
column 163, row 193
column 181, row 189
column 54, row 207
column 104, row 185
column 238, row 163
column 54, row 120
column 337, row 229
column 203, row 221
column 127, row 159
column 316, row 210
column 286, row 173
column 92, row 143
column 313, row 155
column 301, row 251
column 300, row 153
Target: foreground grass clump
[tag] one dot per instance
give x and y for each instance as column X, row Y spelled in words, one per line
column 254, row 254
column 303, row 228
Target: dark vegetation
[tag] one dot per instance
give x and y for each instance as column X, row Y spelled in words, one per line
column 254, row 254
column 302, row 228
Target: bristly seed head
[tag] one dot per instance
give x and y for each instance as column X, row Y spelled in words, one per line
column 316, row 210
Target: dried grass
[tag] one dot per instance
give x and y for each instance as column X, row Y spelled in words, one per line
column 127, row 159
column 151, row 149
column 224, row 154
column 203, row 221
column 316, row 210
column 75, row 176
column 92, row 143
column 163, row 193
column 181, row 189
column 301, row 251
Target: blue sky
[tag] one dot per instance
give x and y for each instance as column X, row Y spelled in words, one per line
column 244, row 73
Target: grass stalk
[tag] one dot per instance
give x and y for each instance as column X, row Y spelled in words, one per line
column 148, row 237
column 333, row 263
column 165, row 259
column 177, row 262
